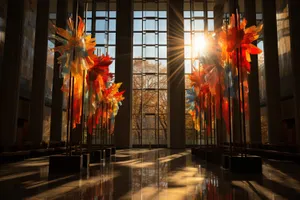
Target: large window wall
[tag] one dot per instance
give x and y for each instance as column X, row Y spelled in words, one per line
column 103, row 16
column 100, row 19
column 198, row 22
column 149, row 106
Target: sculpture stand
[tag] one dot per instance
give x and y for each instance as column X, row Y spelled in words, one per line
column 249, row 164
column 65, row 164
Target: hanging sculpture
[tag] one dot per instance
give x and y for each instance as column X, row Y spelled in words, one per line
column 226, row 60
column 87, row 80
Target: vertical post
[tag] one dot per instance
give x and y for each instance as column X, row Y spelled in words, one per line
column 78, row 11
column 176, row 90
column 294, row 15
column 9, row 87
column 218, row 23
column 57, row 94
column 233, row 5
column 254, row 103
column 123, row 71
column 272, row 71
column 39, row 73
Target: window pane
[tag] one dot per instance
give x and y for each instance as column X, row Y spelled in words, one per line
column 112, row 67
column 198, row 13
column 100, row 13
column 187, row 25
column 198, row 25
column 137, row 25
column 112, row 14
column 162, row 14
column 210, row 14
column 162, row 38
column 163, row 82
column 150, row 101
column 137, row 97
column 112, row 24
column 150, row 66
column 150, row 52
column 150, row 81
column 137, row 81
column 163, row 101
column 88, row 25
column 100, row 50
column 186, row 14
column 162, row 25
column 188, row 66
column 112, row 51
column 150, row 38
column 187, row 52
column 137, row 38
column 162, row 66
column 89, row 13
column 100, row 38
column 210, row 25
column 149, row 123
column 100, row 25
column 137, row 66
column 162, row 52
column 150, row 13
column 112, row 38
column 137, row 52
column 187, row 38
column 149, row 25
column 137, row 14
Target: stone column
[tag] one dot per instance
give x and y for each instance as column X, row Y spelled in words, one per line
column 272, row 71
column 57, row 95
column 39, row 74
column 123, row 71
column 9, row 87
column 294, row 15
column 254, row 103
column 176, row 90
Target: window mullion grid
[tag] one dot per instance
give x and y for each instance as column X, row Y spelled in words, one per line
column 142, row 75
column 157, row 63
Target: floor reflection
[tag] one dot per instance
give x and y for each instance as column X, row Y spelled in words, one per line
column 149, row 174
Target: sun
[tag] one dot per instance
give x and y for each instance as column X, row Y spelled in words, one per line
column 199, row 45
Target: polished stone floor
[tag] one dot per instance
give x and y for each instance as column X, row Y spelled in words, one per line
column 149, row 174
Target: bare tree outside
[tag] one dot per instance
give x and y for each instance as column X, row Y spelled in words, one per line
column 149, row 103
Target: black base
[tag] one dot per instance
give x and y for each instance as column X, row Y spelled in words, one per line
column 97, row 156
column 213, row 155
column 63, row 164
column 238, row 164
column 108, row 152
column 113, row 150
column 85, row 158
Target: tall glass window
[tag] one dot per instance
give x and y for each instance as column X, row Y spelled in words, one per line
column 102, row 14
column 149, row 106
column 198, row 22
